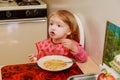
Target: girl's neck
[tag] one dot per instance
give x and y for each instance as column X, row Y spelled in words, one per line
column 56, row 41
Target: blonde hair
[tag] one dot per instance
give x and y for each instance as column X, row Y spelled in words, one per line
column 70, row 20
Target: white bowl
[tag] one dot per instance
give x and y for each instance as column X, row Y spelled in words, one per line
column 68, row 61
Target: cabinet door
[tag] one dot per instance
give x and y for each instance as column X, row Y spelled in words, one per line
column 17, row 40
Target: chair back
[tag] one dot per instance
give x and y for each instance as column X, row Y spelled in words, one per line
column 80, row 29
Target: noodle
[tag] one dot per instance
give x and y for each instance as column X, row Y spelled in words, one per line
column 54, row 64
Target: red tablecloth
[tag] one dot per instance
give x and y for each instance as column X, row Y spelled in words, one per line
column 31, row 71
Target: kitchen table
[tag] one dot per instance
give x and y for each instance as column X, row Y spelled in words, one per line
column 31, row 69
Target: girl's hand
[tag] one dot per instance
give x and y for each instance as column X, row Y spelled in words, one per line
column 32, row 58
column 68, row 43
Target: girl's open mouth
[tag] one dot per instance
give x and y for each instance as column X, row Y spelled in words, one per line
column 52, row 33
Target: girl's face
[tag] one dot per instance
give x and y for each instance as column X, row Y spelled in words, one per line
column 58, row 30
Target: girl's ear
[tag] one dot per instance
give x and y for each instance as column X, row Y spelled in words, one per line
column 69, row 33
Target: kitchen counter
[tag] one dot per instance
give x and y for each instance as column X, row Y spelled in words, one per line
column 87, row 67
column 8, row 4
column 14, row 6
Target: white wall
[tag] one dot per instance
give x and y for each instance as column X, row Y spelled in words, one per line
column 94, row 14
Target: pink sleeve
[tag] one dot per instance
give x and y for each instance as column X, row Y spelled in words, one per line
column 81, row 55
column 40, row 50
column 39, row 46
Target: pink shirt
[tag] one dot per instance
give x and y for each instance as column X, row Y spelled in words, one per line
column 47, row 47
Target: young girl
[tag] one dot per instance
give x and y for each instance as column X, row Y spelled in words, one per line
column 64, row 38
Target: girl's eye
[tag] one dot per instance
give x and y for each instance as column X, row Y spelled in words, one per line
column 59, row 25
column 51, row 23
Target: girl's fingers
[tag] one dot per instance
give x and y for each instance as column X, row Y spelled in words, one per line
column 32, row 58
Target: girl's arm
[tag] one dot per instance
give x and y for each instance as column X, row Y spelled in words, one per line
column 75, row 49
column 81, row 54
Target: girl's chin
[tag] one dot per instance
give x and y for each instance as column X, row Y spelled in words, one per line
column 56, row 38
column 52, row 37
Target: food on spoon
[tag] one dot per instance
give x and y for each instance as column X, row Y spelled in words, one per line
column 54, row 64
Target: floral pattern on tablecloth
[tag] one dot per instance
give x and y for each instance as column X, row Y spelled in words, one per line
column 31, row 71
